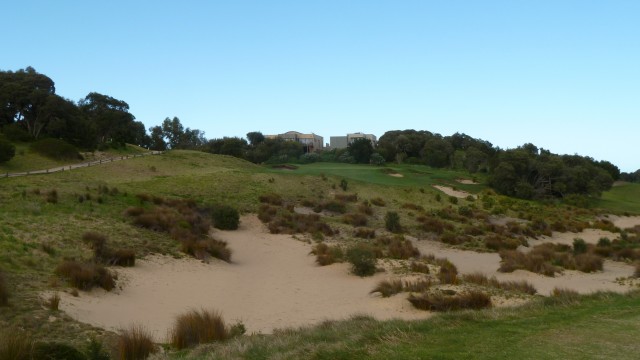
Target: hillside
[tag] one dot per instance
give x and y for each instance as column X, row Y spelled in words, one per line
column 44, row 218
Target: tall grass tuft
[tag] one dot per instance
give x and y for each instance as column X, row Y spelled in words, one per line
column 198, row 327
column 53, row 302
column 448, row 273
column 562, row 296
column 15, row 345
column 4, row 291
column 387, row 288
column 135, row 343
column 327, row 255
column 85, row 276
column 437, row 302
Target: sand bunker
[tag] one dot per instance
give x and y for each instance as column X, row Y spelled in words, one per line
column 273, row 283
column 467, row 182
column 451, row 192
column 488, row 263
column 396, row 175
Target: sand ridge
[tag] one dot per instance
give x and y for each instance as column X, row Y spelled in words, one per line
column 451, row 192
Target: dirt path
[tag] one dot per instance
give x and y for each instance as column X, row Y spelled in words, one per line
column 79, row 165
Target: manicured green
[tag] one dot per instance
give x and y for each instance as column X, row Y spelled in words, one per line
column 623, row 197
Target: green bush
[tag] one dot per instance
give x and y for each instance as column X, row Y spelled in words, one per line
column 7, row 150
column 56, row 149
column 95, row 350
column 225, row 217
column 362, row 259
column 579, row 246
column 392, row 222
column 56, row 351
column 14, row 132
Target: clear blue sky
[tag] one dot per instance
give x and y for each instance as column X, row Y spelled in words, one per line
column 564, row 75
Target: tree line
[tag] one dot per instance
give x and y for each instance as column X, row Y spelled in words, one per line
column 30, row 110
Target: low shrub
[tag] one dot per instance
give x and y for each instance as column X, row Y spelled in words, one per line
column 378, row 202
column 123, row 257
column 204, row 248
column 55, row 149
column 56, row 351
column 134, row 211
column 411, row 206
column 85, row 276
column 4, row 291
column 365, row 208
column 392, row 222
column 346, row 197
column 434, row 225
column 500, row 242
column 388, row 288
column 327, row 255
column 448, row 273
column 266, row 213
column 225, row 217
column 334, row 206
column 365, row 233
column 588, row 262
column 95, row 350
column 272, row 199
column 420, row 267
column 198, row 327
column 52, row 196
column 483, row 280
column 397, row 247
column 562, row 296
column 362, row 259
column 355, row 219
column 438, row 302
column 15, row 345
column 135, row 343
column 417, row 286
column 579, row 246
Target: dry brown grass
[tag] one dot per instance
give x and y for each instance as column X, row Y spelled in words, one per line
column 355, row 219
column 273, row 199
column 85, row 276
column 378, row 202
column 198, row 327
column 434, row 225
column 397, row 247
column 388, row 288
column 563, row 296
column 15, row 345
column 483, row 280
column 346, row 197
column 135, row 343
column 588, row 262
column 439, row 302
column 548, row 259
column 327, row 255
column 4, row 291
column 448, row 273
column 53, row 302
column 364, row 233
column 420, row 267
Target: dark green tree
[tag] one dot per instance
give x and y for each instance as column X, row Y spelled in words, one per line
column 7, row 150
column 111, row 118
column 361, row 150
column 255, row 138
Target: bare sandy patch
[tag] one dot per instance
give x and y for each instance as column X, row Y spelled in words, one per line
column 451, row 192
column 272, row 283
column 467, row 182
column 590, row 236
column 488, row 264
column 396, row 175
column 624, row 222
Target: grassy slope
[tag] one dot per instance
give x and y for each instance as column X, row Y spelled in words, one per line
column 601, row 326
column 27, row 221
column 622, row 198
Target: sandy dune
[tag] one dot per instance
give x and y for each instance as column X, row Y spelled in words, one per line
column 273, row 283
column 624, row 222
column 488, row 263
column 451, row 192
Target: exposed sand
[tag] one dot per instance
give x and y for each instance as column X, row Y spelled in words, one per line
column 466, row 181
column 624, row 222
column 396, row 175
column 590, row 236
column 273, row 283
column 451, row 192
column 488, row 263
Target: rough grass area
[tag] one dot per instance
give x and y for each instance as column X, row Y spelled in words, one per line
column 624, row 198
column 600, row 326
